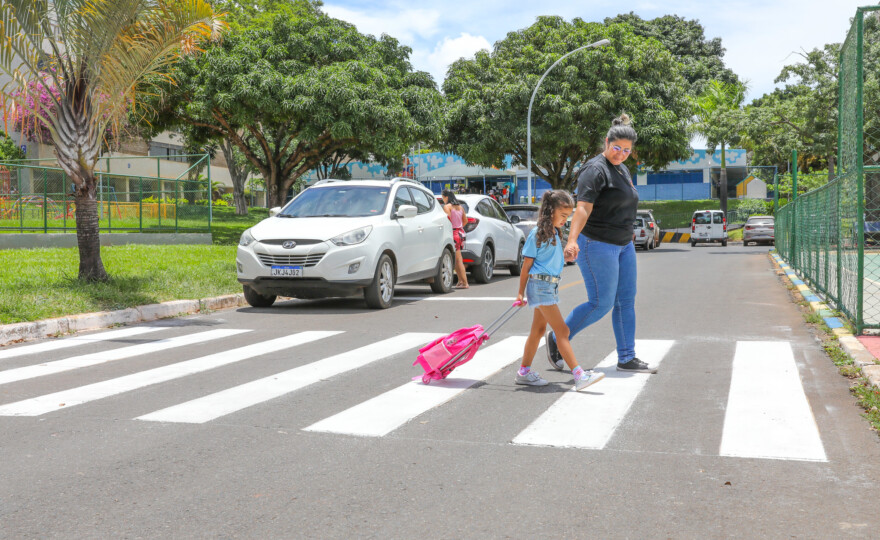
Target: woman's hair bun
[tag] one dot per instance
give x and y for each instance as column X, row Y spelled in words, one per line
column 622, row 120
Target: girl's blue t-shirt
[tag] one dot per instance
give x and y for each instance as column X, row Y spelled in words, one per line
column 549, row 259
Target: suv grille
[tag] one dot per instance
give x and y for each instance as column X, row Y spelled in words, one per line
column 297, row 260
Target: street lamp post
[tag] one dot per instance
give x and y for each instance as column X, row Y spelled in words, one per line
column 600, row 43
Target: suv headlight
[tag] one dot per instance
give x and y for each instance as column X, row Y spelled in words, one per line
column 352, row 237
column 246, row 238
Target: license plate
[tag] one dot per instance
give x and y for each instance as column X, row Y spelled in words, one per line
column 287, row 271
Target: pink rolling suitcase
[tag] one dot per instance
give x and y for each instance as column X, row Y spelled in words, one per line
column 444, row 354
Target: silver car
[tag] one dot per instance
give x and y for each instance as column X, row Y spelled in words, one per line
column 492, row 240
column 759, row 229
column 524, row 216
column 643, row 234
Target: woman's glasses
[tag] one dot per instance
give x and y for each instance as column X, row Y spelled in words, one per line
column 624, row 150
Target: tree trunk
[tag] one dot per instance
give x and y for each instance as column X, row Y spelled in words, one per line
column 239, row 175
column 722, row 185
column 276, row 191
column 88, row 238
column 831, row 165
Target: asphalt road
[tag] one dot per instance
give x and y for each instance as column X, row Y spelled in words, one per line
column 300, row 421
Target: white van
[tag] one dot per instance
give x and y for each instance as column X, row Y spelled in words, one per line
column 709, row 226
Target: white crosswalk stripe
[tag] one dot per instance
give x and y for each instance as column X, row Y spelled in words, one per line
column 235, row 399
column 84, row 394
column 599, row 410
column 387, row 412
column 76, row 362
column 768, row 415
column 74, row 341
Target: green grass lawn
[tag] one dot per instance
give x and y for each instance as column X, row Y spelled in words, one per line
column 226, row 228
column 41, row 283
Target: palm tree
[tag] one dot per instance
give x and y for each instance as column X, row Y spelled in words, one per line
column 99, row 57
column 718, row 118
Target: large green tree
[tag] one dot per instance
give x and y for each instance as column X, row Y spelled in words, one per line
column 718, row 117
column 298, row 87
column 488, row 98
column 701, row 59
column 800, row 116
column 97, row 55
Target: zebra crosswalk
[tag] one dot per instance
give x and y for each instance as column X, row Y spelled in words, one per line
column 767, row 412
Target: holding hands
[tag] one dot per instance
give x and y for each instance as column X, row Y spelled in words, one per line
column 571, row 251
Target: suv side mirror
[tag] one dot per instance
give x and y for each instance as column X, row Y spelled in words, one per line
column 407, row 211
column 274, row 211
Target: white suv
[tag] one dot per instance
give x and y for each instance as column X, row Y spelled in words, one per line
column 338, row 238
column 492, row 240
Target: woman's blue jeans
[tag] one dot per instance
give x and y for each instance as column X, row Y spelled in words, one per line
column 609, row 273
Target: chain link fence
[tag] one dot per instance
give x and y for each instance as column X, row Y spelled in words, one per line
column 831, row 235
column 36, row 198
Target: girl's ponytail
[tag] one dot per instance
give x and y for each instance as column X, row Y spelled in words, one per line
column 550, row 201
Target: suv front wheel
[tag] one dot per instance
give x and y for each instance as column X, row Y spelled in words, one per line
column 516, row 269
column 380, row 292
column 256, row 299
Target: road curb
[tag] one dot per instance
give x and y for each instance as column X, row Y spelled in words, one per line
column 12, row 333
column 860, row 355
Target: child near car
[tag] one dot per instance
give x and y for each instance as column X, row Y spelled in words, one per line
column 543, row 261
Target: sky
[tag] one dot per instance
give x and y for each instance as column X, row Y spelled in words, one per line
column 760, row 36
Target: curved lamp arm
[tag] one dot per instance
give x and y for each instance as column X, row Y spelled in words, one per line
column 600, row 43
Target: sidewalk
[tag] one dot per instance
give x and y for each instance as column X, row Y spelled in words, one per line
column 12, row 333
column 864, row 350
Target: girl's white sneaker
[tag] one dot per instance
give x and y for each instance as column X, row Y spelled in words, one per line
column 588, row 378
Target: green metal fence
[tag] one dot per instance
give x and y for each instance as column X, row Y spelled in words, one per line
column 830, row 235
column 39, row 198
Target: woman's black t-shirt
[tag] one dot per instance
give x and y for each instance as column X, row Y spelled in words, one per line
column 614, row 199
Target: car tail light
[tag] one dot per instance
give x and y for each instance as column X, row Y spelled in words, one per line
column 651, row 226
column 471, row 225
column 468, row 260
column 642, row 234
column 724, row 221
column 748, row 227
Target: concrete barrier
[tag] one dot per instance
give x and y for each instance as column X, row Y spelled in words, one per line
column 676, row 237
column 11, row 333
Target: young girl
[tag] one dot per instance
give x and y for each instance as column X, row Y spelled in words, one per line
column 543, row 261
column 455, row 211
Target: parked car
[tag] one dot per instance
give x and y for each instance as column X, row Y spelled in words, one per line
column 339, row 238
column 708, row 226
column 492, row 240
column 653, row 224
column 643, row 236
column 524, row 216
column 759, row 229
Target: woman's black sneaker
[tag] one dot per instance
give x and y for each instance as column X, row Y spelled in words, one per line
column 636, row 366
column 556, row 361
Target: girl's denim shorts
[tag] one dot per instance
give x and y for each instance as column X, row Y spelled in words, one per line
column 541, row 293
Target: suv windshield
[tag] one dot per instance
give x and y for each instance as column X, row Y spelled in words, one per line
column 523, row 215
column 639, row 222
column 338, row 201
